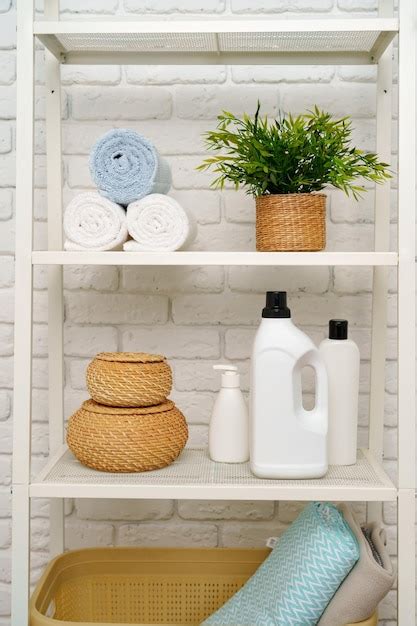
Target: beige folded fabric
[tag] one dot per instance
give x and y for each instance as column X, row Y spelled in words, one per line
column 368, row 582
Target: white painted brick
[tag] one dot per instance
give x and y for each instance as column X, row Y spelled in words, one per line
column 388, row 607
column 223, row 309
column 77, row 373
column 7, row 236
column 113, row 510
column 186, row 176
column 5, row 470
column 345, row 209
column 168, row 279
column 5, row 566
column 7, row 68
column 73, row 399
column 40, row 104
column 115, row 103
column 357, row 5
column 7, row 271
column 282, row 74
column 204, row 205
column 346, row 237
column 6, row 204
column 8, row 31
column 39, row 405
column 89, row 340
column 247, row 535
column 94, row 308
column 200, row 376
column 355, row 280
column 172, row 341
column 91, row 277
column 6, row 305
column 87, row 535
column 197, row 407
column 197, row 436
column 5, row 502
column 7, row 169
column 5, row 405
column 5, row 600
column 271, row 6
column 6, row 340
column 88, row 74
column 5, row 534
column 258, row 280
column 183, row 137
column 225, row 236
column 5, row 137
column 84, row 6
column 238, row 206
column 208, row 102
column 6, row 372
column 175, row 74
column 168, row 535
column 172, row 6
column 78, row 173
column 358, row 73
column 343, row 99
column 220, row 510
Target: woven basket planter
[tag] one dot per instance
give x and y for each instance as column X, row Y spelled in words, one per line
column 112, row 439
column 291, row 222
column 129, row 379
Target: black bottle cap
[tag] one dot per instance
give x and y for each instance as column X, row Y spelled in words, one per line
column 338, row 329
column 276, row 305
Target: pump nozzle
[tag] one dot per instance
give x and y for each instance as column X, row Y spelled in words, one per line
column 230, row 377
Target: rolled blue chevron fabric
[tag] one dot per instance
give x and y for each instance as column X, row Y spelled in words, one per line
column 298, row 579
column 126, row 167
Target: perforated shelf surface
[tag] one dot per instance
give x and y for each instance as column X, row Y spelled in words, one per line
column 195, row 476
column 216, row 40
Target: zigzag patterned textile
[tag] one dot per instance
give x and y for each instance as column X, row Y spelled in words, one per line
column 295, row 583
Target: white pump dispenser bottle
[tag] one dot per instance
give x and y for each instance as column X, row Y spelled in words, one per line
column 286, row 440
column 229, row 424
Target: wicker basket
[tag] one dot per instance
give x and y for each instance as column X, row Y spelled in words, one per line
column 129, row 379
column 142, row 586
column 113, row 439
column 291, row 222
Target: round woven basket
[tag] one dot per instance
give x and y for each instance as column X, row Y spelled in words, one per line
column 291, row 222
column 129, row 379
column 112, row 439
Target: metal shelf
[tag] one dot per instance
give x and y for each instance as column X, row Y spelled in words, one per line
column 216, row 258
column 218, row 40
column 195, row 476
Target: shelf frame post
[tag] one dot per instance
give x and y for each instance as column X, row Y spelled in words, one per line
column 381, row 244
column 406, row 309
column 55, row 275
column 22, row 405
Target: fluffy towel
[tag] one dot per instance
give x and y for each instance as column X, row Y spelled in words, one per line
column 126, row 167
column 92, row 222
column 158, row 223
column 368, row 582
column 295, row 583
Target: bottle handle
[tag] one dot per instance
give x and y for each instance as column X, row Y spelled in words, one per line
column 317, row 418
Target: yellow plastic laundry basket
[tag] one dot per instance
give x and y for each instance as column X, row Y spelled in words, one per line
column 141, row 586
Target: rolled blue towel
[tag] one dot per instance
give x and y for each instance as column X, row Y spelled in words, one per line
column 126, row 167
column 296, row 582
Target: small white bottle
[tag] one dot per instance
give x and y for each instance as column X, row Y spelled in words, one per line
column 229, row 424
column 342, row 360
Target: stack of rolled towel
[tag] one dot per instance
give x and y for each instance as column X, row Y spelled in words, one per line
column 132, row 180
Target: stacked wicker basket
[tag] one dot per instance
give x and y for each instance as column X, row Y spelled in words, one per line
column 128, row 425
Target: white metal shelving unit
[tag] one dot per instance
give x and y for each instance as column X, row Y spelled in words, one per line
column 207, row 41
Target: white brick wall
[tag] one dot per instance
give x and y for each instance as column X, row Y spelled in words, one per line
column 196, row 316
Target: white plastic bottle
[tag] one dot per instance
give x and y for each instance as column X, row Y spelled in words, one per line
column 286, row 441
column 342, row 360
column 229, row 424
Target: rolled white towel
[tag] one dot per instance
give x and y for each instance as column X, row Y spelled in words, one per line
column 92, row 222
column 159, row 223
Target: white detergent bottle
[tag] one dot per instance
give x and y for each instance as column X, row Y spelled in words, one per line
column 229, row 424
column 342, row 360
column 286, row 440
